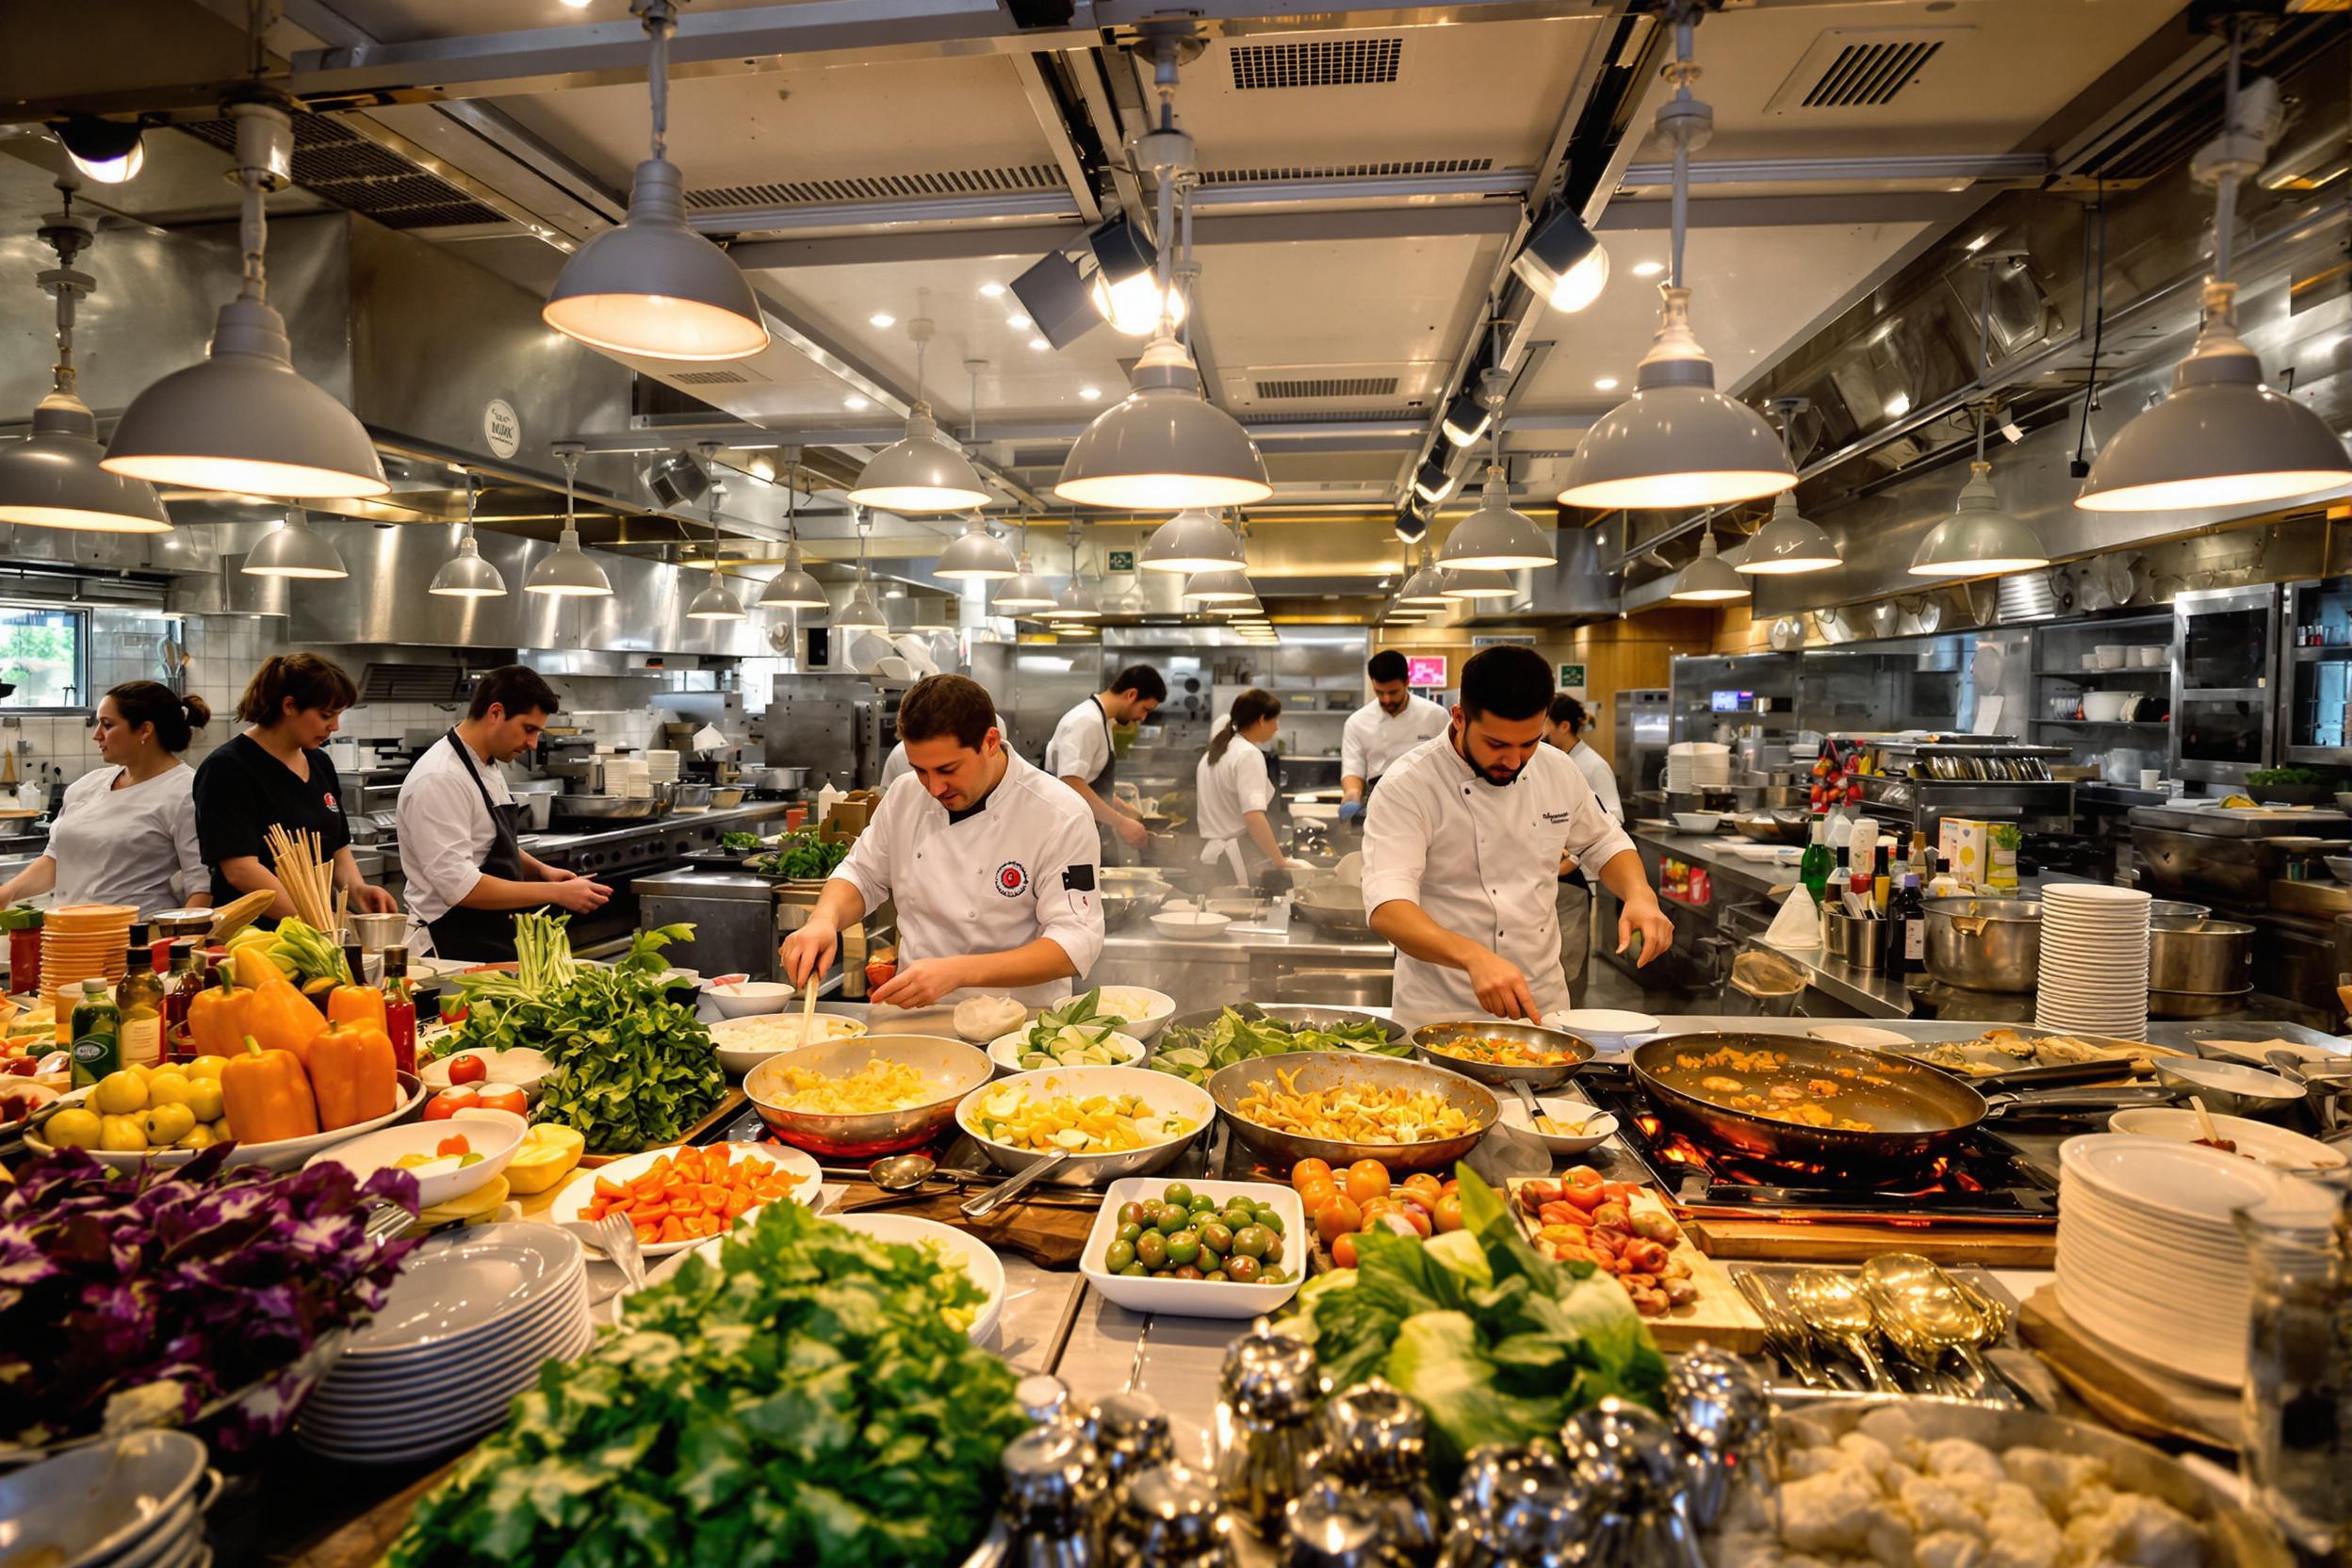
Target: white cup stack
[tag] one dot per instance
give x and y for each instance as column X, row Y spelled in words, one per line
column 1695, row 765
column 629, row 777
column 662, row 766
column 2093, row 966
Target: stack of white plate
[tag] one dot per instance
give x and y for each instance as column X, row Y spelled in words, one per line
column 2094, row 972
column 136, row 1502
column 464, row 1330
column 630, row 778
column 662, row 766
column 2149, row 1259
column 1695, row 765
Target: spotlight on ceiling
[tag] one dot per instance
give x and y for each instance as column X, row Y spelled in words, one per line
column 676, row 480
column 1564, row 261
column 1411, row 526
column 1054, row 296
column 1432, row 483
column 108, row 151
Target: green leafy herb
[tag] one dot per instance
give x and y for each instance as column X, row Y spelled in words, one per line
column 804, row 1402
column 2283, row 778
column 1193, row 1055
column 803, row 856
column 739, row 841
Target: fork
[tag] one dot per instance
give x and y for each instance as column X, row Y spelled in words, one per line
column 612, row 1236
column 1781, row 1332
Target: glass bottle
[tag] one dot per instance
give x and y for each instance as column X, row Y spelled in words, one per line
column 97, row 1035
column 139, row 998
column 188, row 978
column 1813, row 869
column 1907, row 914
column 2297, row 1443
column 399, row 1010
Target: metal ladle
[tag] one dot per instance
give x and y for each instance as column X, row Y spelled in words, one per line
column 1933, row 1311
column 1833, row 1306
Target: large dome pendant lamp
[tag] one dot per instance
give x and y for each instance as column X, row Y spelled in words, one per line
column 861, row 614
column 922, row 471
column 1709, row 579
column 717, row 601
column 568, row 573
column 653, row 287
column 1025, row 591
column 292, row 550
column 243, row 419
column 1495, row 538
column 792, row 588
column 1678, row 441
column 1788, row 544
column 1979, row 539
column 52, row 478
column 1164, row 446
column 2220, row 437
column 467, row 575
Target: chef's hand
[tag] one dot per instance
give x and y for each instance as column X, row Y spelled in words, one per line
column 577, row 894
column 808, row 953
column 1131, row 832
column 919, row 984
column 1648, row 921
column 371, row 900
column 1350, row 810
column 1502, row 990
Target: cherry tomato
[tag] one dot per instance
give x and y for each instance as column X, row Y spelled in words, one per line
column 1344, row 1252
column 455, row 1144
column 1336, row 1218
column 469, row 1069
column 1315, row 1194
column 1307, row 1171
column 1367, row 1180
column 1447, row 1215
column 1423, row 1184
column 503, row 1097
column 878, row 974
column 1582, row 1176
column 448, row 1102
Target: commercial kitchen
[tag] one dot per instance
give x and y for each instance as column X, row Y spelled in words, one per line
column 952, row 781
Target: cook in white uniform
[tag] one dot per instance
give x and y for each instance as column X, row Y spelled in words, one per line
column 1383, row 731
column 1234, row 790
column 1079, row 753
column 994, row 865
column 1461, row 866
column 467, row 874
column 127, row 832
column 1567, row 723
column 896, row 766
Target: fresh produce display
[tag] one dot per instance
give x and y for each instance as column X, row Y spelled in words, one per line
column 1355, row 1113
column 1582, row 1218
column 148, row 1106
column 476, row 1096
column 739, row 840
column 692, row 1194
column 1497, row 1343
column 1192, row 1055
column 549, row 1153
column 1094, row 1125
column 1184, row 1235
column 452, row 1154
column 139, row 1298
column 299, row 953
column 802, row 856
column 802, row 1400
column 1346, row 1204
column 2309, row 779
column 632, row 1068
column 1076, row 1034
column 878, row 1087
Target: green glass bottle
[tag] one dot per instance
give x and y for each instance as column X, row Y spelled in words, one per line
column 1813, row 869
column 97, row 1034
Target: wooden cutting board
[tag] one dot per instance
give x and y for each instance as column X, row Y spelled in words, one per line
column 1811, row 1241
column 2124, row 1391
column 1721, row 1317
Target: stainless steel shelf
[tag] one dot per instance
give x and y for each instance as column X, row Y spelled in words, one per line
column 2109, row 724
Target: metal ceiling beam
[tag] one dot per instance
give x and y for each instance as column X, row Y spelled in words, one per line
column 1369, row 435
column 1048, row 109
column 1782, row 212
column 1846, row 171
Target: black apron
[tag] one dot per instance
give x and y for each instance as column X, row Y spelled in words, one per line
column 1103, row 781
column 484, row 936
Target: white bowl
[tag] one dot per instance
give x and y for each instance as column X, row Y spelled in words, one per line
column 2154, row 656
column 1146, row 1012
column 1165, row 1093
column 495, row 1137
column 1006, row 1050
column 745, row 1042
column 104, row 1502
column 521, row 1067
column 1598, row 1124
column 1698, row 821
column 2110, row 656
column 1189, row 926
column 2276, row 1147
column 1196, row 1298
column 282, row 1154
column 1600, row 1020
column 980, row 1260
column 750, row 998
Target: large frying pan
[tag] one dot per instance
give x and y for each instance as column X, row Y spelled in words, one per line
column 1916, row 1112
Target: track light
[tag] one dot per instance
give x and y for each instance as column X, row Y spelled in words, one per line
column 1466, row 418
column 1411, row 526
column 108, row 151
column 1564, row 262
column 676, row 480
column 1432, row 483
column 1126, row 289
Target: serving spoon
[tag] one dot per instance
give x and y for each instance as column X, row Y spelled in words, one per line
column 1932, row 1308
column 1833, row 1306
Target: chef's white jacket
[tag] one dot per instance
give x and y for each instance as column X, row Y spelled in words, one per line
column 1227, row 790
column 1081, row 747
column 1371, row 742
column 1483, row 861
column 896, row 766
column 445, row 833
column 1603, row 778
column 1024, row 863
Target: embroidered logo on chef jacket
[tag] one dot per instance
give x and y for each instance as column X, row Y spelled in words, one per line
column 1012, row 879
column 328, row 797
column 1557, row 818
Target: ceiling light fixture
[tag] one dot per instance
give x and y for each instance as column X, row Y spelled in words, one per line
column 1191, row 541
column 792, row 588
column 1040, row 344
column 1979, row 539
column 978, row 556
column 1678, row 441
column 1077, row 600
column 1648, row 268
column 1466, row 418
column 243, row 419
column 1788, row 544
column 854, row 402
column 1128, row 289
column 861, row 614
column 1470, row 583
column 2221, row 437
column 992, row 290
column 1495, row 537
column 1228, row 585
column 1709, row 579
column 653, row 286
column 1424, row 586
column 1412, row 527
column 1164, row 445
column 1564, row 261
column 108, row 151
column 293, row 550
column 568, row 573
column 52, row 478
column 717, row 601
column 923, row 470
column 1605, row 383
column 881, row 319
column 466, row 575
column 1025, row 590
column 1432, row 482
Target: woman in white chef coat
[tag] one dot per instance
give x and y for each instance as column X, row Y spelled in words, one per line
column 1234, row 790
column 1460, row 862
column 127, row 832
column 994, row 865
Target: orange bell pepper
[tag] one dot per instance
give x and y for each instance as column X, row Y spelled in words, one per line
column 283, row 1019
column 218, row 1018
column 265, row 1095
column 359, row 1003
column 352, row 1075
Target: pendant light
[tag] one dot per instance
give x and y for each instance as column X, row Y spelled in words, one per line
column 1979, row 539
column 1788, row 544
column 717, row 602
column 1077, row 601
column 1025, row 590
column 52, row 478
column 1227, row 587
column 466, row 575
column 1164, row 445
column 1678, row 441
column 1709, row 579
column 568, row 573
column 1191, row 541
column 294, row 552
column 1424, row 584
column 1495, row 537
column 1471, row 583
column 654, row 287
column 792, row 588
column 922, row 471
column 978, row 556
column 861, row 613
column 244, row 420
column 2220, row 437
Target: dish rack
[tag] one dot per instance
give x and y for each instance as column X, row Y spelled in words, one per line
column 1921, row 782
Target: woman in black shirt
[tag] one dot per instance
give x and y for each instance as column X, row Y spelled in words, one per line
column 273, row 772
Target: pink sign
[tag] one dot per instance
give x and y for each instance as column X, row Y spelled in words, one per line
column 1425, row 671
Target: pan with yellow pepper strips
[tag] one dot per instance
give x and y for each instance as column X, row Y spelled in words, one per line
column 1343, row 1107
column 1098, row 1123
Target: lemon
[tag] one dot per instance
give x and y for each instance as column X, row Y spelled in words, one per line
column 121, row 1093
column 74, row 1129
column 204, row 1066
column 122, row 1134
column 198, row 1137
column 203, row 1098
column 169, row 1089
column 165, row 1125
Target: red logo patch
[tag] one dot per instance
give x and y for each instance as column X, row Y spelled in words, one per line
column 329, row 798
column 1012, row 879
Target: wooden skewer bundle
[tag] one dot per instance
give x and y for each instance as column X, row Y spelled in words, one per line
column 308, row 878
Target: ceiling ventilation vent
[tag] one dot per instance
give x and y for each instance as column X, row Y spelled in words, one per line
column 413, row 684
column 708, row 378
column 1329, row 387
column 340, row 166
column 1410, row 414
column 1854, row 68
column 879, row 187
column 1324, row 62
column 1347, row 170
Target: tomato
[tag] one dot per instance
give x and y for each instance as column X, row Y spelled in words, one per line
column 449, row 1101
column 1307, row 1171
column 1447, row 1215
column 1315, row 1194
column 1582, row 1176
column 469, row 1069
column 1344, row 1252
column 1336, row 1218
column 1367, row 1180
column 878, row 974
column 503, row 1097
column 1586, row 1197
column 1423, row 1185
column 454, row 1144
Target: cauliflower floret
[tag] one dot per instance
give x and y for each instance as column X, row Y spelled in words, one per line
column 1889, row 1541
column 1832, row 1511
column 2021, row 1537
column 2053, row 1478
column 1741, row 1548
column 1893, row 1428
column 1815, row 1461
column 2138, row 1531
column 1953, row 1456
column 1936, row 1507
column 1868, row 1452
column 1948, row 1549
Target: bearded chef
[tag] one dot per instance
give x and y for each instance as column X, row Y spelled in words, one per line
column 1460, row 861
column 994, row 865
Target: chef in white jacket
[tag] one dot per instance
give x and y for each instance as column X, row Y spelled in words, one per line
column 1233, row 791
column 896, row 766
column 994, row 865
column 1376, row 735
column 1460, row 861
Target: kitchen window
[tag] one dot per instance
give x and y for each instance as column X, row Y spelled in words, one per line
column 44, row 659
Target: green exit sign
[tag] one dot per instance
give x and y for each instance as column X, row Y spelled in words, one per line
column 1122, row 560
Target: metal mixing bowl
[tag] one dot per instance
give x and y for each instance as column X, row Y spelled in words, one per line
column 1430, row 1038
column 1162, row 1091
column 956, row 1068
column 1311, row 1070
